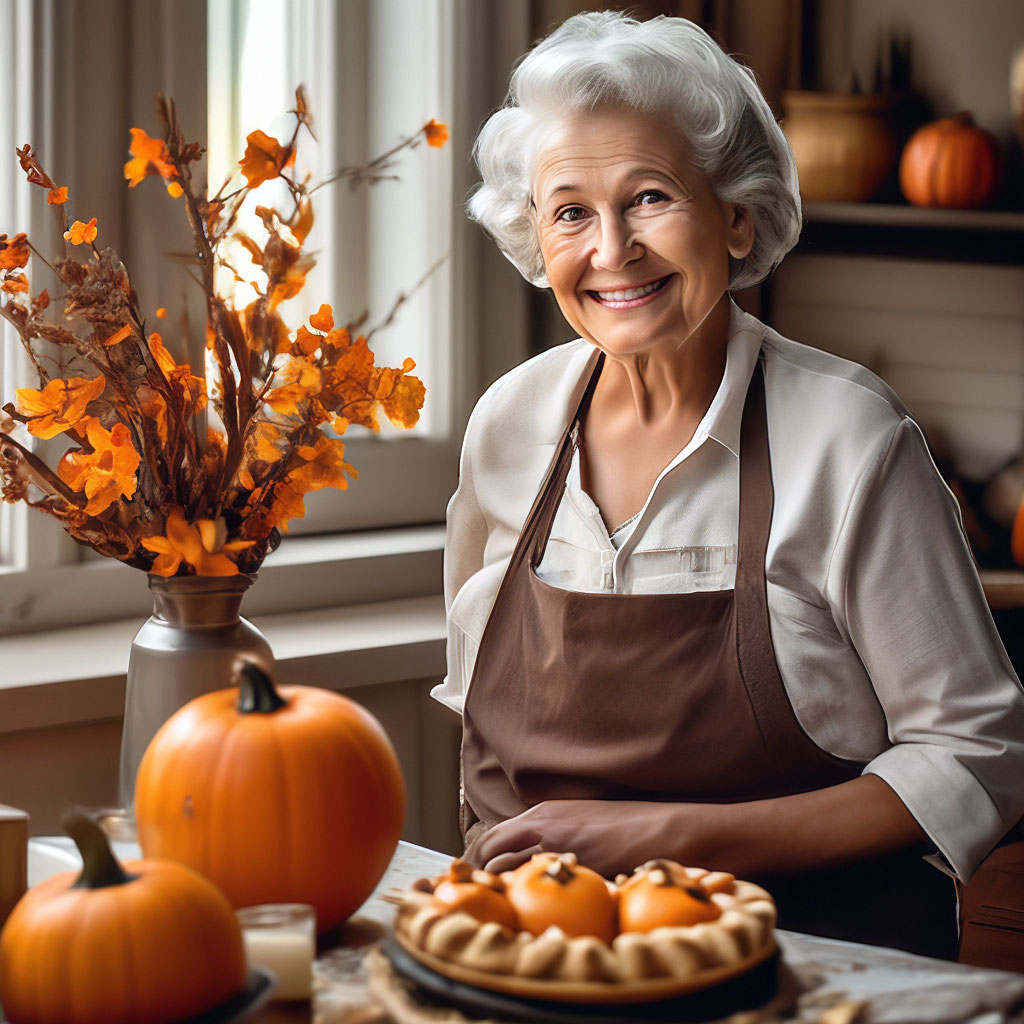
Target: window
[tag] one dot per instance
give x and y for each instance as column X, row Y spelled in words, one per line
column 374, row 70
column 373, row 73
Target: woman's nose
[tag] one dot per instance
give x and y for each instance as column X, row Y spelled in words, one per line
column 616, row 246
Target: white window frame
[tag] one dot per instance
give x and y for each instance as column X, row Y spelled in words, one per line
column 484, row 313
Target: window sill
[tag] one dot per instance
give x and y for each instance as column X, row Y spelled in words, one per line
column 73, row 676
column 303, row 573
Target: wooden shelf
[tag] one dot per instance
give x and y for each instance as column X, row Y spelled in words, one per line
column 914, row 232
column 899, row 215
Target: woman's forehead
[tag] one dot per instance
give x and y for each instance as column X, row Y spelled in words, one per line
column 611, row 144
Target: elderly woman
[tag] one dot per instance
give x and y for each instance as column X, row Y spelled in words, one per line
column 708, row 597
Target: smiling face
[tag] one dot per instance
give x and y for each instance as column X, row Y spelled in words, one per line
column 635, row 243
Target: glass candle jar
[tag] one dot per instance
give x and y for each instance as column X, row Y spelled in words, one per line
column 281, row 938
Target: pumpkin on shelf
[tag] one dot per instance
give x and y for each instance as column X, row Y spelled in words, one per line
column 554, row 889
column 149, row 940
column 952, row 163
column 290, row 795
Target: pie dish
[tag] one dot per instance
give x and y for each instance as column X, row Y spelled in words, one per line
column 728, row 930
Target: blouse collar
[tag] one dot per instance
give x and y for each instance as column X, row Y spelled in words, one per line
column 724, row 417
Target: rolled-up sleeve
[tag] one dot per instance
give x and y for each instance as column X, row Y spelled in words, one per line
column 908, row 594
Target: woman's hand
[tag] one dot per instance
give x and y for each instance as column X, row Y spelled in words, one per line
column 856, row 819
column 610, row 836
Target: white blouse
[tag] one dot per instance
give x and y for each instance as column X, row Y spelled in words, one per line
column 882, row 634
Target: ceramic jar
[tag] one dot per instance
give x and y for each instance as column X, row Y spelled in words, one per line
column 845, row 145
column 190, row 645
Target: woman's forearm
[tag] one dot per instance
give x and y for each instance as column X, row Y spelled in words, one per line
column 839, row 824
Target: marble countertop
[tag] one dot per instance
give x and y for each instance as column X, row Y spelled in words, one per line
column 836, row 982
column 830, row 982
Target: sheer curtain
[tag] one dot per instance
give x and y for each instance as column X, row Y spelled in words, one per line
column 16, row 75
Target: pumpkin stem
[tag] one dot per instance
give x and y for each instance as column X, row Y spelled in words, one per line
column 99, row 865
column 256, row 693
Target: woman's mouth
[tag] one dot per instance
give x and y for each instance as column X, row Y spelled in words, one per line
column 629, row 298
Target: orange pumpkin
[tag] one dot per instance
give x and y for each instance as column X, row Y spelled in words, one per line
column 661, row 894
column 290, row 796
column 950, row 162
column 149, row 941
column 553, row 889
column 478, row 893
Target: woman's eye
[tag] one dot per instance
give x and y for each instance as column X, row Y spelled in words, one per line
column 649, row 196
column 571, row 214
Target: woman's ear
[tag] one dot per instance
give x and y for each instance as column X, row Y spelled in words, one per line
column 739, row 230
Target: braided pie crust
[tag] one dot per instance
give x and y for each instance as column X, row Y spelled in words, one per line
column 636, row 966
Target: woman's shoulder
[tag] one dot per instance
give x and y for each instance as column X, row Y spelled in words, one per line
column 531, row 403
column 820, row 395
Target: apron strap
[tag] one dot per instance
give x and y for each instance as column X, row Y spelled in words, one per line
column 757, row 494
column 538, row 523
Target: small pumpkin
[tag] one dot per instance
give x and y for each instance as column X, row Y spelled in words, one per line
column 950, row 162
column 150, row 941
column 554, row 889
column 661, row 894
column 278, row 796
column 478, row 893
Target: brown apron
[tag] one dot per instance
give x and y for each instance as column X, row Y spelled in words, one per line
column 671, row 697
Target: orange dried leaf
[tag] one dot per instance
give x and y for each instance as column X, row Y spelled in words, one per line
column 285, row 400
column 57, row 196
column 192, row 388
column 80, row 233
column 290, row 282
column 60, row 405
column 163, row 358
column 287, row 504
column 303, row 372
column 14, row 283
column 322, row 319
column 266, row 434
column 339, row 338
column 264, row 331
column 436, row 133
column 14, row 252
column 404, row 400
column 264, row 158
column 306, row 342
column 118, row 336
column 302, row 223
column 42, row 300
column 151, row 156
column 325, row 467
column 106, row 473
column 183, row 542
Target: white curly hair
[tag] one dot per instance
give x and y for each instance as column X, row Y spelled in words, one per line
column 667, row 66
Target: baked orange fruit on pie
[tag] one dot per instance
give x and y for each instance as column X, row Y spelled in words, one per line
column 554, row 929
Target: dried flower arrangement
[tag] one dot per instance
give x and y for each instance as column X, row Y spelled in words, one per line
column 146, row 480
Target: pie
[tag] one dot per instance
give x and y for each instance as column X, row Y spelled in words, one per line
column 554, row 929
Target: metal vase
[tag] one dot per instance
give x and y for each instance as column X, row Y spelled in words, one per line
column 190, row 645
